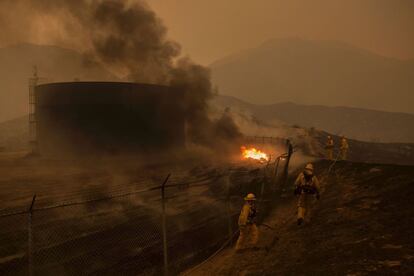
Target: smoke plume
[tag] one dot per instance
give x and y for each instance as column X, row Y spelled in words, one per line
column 125, row 36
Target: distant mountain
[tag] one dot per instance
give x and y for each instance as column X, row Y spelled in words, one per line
column 317, row 72
column 359, row 124
column 53, row 63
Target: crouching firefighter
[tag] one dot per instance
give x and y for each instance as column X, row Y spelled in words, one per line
column 249, row 234
column 306, row 188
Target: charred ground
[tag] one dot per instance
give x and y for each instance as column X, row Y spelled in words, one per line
column 361, row 226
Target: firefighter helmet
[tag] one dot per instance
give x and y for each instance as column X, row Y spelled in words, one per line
column 309, row 166
column 309, row 169
column 250, row 197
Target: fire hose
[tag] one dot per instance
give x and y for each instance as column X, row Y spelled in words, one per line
column 267, row 226
column 333, row 163
column 188, row 272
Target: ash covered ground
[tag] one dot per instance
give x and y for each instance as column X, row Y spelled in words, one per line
column 105, row 217
column 362, row 225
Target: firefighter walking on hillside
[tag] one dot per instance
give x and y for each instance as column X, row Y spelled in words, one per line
column 249, row 234
column 344, row 148
column 306, row 188
column 329, row 148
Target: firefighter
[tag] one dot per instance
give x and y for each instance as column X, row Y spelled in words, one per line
column 249, row 234
column 344, row 148
column 306, row 188
column 329, row 148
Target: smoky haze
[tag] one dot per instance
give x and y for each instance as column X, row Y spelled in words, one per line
column 385, row 27
column 126, row 37
column 382, row 31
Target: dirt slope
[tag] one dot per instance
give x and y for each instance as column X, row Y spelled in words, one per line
column 356, row 123
column 361, row 226
column 366, row 152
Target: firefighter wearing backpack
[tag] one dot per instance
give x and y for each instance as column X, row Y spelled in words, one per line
column 249, row 234
column 329, row 148
column 306, row 188
column 344, row 148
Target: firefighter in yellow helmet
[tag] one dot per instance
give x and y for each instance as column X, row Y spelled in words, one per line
column 249, row 234
column 329, row 148
column 306, row 188
column 344, row 148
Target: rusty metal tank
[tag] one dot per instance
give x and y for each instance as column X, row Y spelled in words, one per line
column 89, row 118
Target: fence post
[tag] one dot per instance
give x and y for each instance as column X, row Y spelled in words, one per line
column 276, row 171
column 289, row 155
column 30, row 237
column 164, row 226
column 229, row 218
column 264, row 177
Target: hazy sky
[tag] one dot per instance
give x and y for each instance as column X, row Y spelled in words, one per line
column 211, row 29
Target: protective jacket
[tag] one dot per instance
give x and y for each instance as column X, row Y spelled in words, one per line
column 247, row 214
column 307, row 184
column 344, row 144
column 329, row 143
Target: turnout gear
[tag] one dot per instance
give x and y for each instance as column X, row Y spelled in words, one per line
column 249, row 233
column 344, row 148
column 306, row 187
column 329, row 148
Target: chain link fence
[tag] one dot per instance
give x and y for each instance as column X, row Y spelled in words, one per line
column 265, row 140
column 162, row 228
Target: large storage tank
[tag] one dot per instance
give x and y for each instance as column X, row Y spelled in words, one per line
column 108, row 117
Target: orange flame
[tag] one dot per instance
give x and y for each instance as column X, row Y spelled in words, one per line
column 253, row 153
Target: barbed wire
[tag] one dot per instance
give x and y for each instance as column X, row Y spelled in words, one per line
column 187, row 184
column 51, row 244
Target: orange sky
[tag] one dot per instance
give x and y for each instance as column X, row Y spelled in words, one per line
column 211, row 29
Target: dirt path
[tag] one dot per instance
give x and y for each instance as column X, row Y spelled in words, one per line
column 361, row 226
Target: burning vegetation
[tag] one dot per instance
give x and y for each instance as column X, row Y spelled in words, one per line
column 255, row 154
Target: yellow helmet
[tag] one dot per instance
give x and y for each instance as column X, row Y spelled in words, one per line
column 250, row 197
column 308, row 169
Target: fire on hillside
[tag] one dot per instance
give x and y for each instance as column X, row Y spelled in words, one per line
column 253, row 153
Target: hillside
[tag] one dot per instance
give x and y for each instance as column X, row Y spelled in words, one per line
column 361, row 226
column 360, row 124
column 317, row 72
column 53, row 64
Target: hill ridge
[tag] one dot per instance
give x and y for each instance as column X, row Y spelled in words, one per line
column 317, row 72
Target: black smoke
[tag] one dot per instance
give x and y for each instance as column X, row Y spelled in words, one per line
column 128, row 38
